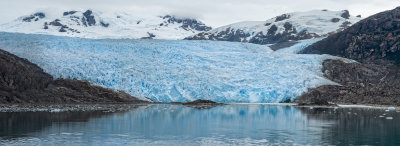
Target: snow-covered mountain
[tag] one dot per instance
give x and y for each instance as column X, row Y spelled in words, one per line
column 291, row 26
column 96, row 24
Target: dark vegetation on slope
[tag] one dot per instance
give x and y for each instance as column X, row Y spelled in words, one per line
column 24, row 82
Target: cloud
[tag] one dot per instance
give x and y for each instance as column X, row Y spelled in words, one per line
column 212, row 12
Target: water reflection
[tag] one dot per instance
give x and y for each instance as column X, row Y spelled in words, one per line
column 221, row 125
column 358, row 126
column 18, row 124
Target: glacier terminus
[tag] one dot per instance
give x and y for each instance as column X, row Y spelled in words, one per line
column 176, row 70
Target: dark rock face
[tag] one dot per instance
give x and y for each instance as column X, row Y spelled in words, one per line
column 200, row 101
column 104, row 24
column 375, row 43
column 334, row 20
column 34, row 17
column 56, row 23
column 227, row 35
column 63, row 28
column 282, row 45
column 290, row 34
column 373, row 83
column 186, row 23
column 151, row 36
column 376, row 37
column 69, row 13
column 19, row 74
column 282, row 17
column 345, row 24
column 202, row 104
column 46, row 26
column 288, row 26
column 88, row 18
column 346, row 14
column 271, row 36
column 24, row 82
column 260, row 38
column 272, row 30
column 40, row 15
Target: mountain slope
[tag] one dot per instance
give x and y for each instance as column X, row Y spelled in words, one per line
column 24, row 82
column 292, row 26
column 376, row 37
column 96, row 24
column 375, row 79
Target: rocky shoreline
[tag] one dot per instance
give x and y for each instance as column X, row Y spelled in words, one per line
column 370, row 84
column 102, row 107
column 76, row 107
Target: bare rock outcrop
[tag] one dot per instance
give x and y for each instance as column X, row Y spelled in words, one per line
column 24, row 82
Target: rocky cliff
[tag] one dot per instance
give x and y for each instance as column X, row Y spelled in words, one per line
column 376, row 37
column 24, row 82
column 375, row 43
column 360, row 84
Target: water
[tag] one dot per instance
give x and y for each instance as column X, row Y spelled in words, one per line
column 222, row 125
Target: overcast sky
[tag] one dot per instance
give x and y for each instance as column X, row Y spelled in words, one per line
column 212, row 12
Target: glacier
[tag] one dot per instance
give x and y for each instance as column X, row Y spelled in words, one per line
column 176, row 70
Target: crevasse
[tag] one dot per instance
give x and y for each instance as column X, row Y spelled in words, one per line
column 175, row 71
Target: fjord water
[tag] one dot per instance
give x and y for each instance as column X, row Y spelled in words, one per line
column 238, row 124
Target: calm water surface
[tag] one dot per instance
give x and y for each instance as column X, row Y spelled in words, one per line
column 222, row 125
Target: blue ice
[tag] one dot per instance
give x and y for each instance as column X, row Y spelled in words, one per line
column 175, row 71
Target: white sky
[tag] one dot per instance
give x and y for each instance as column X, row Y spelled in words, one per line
column 212, row 12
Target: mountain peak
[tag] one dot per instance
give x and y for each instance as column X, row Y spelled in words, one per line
column 286, row 27
column 34, row 17
column 187, row 23
column 96, row 24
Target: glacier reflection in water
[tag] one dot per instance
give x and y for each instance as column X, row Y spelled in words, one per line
column 222, row 125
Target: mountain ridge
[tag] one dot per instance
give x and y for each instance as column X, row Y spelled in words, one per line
column 375, row 37
column 283, row 28
column 97, row 24
column 373, row 42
